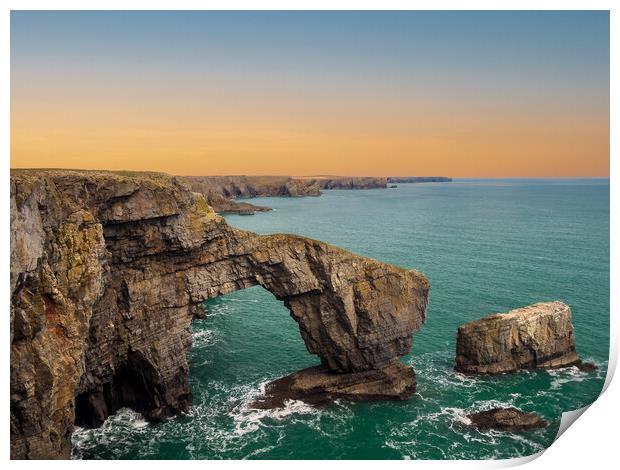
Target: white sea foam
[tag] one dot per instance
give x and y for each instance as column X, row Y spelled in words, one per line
column 248, row 419
column 568, row 375
column 112, row 432
column 203, row 338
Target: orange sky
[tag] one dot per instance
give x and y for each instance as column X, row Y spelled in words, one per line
column 132, row 136
column 300, row 97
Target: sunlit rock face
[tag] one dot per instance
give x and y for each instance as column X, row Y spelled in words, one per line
column 108, row 270
column 536, row 336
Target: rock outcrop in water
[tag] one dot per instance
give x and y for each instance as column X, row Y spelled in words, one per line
column 320, row 386
column 537, row 336
column 506, row 419
column 108, row 269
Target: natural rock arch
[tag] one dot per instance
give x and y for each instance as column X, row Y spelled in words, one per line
column 107, row 271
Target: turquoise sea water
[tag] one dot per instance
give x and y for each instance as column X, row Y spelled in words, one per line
column 486, row 246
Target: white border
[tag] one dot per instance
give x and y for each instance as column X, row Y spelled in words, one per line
column 591, row 443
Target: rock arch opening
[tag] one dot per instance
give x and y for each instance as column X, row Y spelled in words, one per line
column 249, row 335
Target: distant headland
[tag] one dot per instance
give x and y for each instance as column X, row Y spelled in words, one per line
column 220, row 191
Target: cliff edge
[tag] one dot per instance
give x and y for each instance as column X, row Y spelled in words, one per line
column 108, row 270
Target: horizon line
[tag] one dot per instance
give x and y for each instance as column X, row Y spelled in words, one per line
column 321, row 175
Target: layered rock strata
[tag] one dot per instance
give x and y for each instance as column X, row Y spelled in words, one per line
column 108, row 270
column 220, row 191
column 536, row 336
column 222, row 205
column 348, row 182
column 253, row 186
column 418, row 179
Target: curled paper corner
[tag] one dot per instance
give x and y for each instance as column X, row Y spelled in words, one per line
column 517, row 461
column 568, row 418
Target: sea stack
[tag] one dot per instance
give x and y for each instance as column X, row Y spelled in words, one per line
column 538, row 336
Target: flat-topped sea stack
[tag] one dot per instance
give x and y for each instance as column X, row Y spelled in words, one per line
column 108, row 269
column 539, row 336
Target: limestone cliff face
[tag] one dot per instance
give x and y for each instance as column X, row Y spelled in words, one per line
column 108, row 269
column 418, row 179
column 348, row 182
column 220, row 191
column 253, row 186
column 537, row 336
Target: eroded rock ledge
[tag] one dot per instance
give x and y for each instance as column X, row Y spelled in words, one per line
column 539, row 336
column 108, row 269
column 320, row 386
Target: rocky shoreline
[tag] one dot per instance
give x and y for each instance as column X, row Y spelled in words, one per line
column 221, row 191
column 108, row 270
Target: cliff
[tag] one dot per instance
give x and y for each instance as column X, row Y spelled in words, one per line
column 536, row 336
column 222, row 205
column 220, row 191
column 253, row 186
column 418, row 179
column 108, row 270
column 347, row 182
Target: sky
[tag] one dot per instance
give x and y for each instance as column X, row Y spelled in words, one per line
column 461, row 94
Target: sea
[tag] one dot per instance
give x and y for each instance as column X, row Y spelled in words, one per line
column 486, row 246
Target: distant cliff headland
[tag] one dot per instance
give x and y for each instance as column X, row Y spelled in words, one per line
column 220, row 191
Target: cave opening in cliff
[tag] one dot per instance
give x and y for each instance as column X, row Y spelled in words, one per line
column 243, row 340
column 134, row 385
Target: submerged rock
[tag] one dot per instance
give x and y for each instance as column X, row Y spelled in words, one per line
column 108, row 269
column 586, row 366
column 506, row 419
column 320, row 386
column 537, row 336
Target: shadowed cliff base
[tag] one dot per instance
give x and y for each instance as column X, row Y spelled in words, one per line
column 108, row 270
